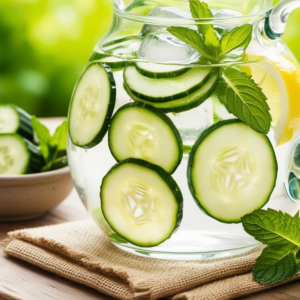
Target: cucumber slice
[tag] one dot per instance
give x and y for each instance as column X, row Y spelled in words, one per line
column 115, row 63
column 185, row 103
column 124, row 46
column 141, row 131
column 125, row 41
column 15, row 120
column 165, row 89
column 141, row 202
column 232, row 171
column 92, row 105
column 153, row 70
column 18, row 156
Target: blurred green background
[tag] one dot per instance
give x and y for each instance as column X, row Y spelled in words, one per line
column 44, row 45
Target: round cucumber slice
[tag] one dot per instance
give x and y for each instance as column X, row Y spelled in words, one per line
column 92, row 105
column 15, row 120
column 123, row 46
column 141, row 202
column 14, row 155
column 153, row 70
column 126, row 41
column 115, row 63
column 165, row 89
column 18, row 156
column 185, row 103
column 232, row 171
column 141, row 131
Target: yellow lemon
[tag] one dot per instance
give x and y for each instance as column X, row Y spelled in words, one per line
column 280, row 82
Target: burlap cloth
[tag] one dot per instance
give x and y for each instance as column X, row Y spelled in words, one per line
column 80, row 252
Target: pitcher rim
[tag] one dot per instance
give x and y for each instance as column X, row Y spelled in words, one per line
column 190, row 21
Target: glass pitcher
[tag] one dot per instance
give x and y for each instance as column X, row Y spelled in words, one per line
column 181, row 123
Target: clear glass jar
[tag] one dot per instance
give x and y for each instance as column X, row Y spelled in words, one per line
column 138, row 35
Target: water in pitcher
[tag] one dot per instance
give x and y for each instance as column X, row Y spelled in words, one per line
column 193, row 143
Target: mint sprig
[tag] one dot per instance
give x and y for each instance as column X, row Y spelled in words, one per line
column 239, row 37
column 193, row 39
column 200, row 10
column 53, row 147
column 243, row 98
column 279, row 261
column 237, row 91
column 275, row 265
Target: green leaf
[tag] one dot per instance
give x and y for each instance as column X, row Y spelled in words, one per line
column 244, row 99
column 238, row 37
column 200, row 10
column 51, row 147
column 273, row 228
column 192, row 38
column 212, row 42
column 56, row 164
column 281, row 232
column 43, row 136
column 59, row 139
column 275, row 265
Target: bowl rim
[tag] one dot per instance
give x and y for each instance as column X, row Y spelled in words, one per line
column 60, row 171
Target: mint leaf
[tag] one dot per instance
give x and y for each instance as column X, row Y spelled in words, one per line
column 238, row 37
column 191, row 38
column 56, row 164
column 200, row 10
column 273, row 228
column 52, row 147
column 280, row 231
column 212, row 42
column 43, row 136
column 208, row 43
column 59, row 139
column 244, row 99
column 275, row 265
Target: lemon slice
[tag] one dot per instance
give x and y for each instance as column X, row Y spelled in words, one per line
column 280, row 82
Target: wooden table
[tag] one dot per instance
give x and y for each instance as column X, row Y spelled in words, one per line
column 22, row 281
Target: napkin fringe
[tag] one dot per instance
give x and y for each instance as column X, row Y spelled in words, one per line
column 80, row 252
column 60, row 249
column 141, row 289
column 46, row 243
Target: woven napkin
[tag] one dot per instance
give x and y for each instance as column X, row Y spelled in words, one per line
column 80, row 252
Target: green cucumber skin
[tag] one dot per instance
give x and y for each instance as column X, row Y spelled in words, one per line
column 111, row 106
column 161, row 75
column 201, row 138
column 24, row 126
column 98, row 56
column 37, row 161
column 161, row 173
column 120, row 40
column 161, row 115
column 180, row 108
column 165, row 99
column 115, row 66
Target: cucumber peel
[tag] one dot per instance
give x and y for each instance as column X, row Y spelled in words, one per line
column 141, row 202
column 232, row 171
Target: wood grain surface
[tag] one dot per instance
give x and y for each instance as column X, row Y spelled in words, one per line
column 22, row 281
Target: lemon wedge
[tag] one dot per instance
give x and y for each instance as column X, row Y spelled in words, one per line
column 280, row 82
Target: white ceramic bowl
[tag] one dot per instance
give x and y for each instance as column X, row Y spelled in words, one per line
column 26, row 197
